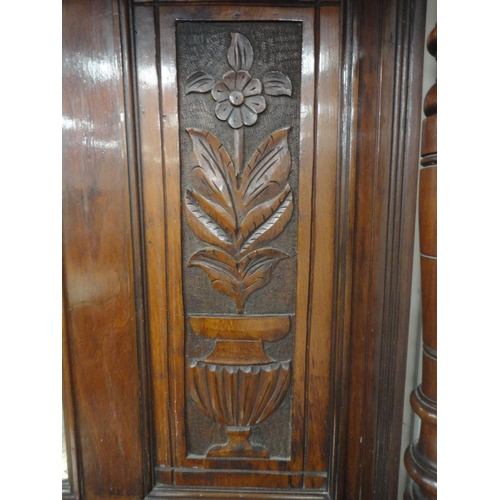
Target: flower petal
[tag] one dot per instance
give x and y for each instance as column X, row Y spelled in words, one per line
column 256, row 103
column 230, row 79
column 223, row 110
column 235, row 118
column 249, row 116
column 253, row 88
column 242, row 78
column 220, row 92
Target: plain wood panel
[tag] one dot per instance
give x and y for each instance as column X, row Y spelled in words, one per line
column 318, row 401
column 153, row 187
column 97, row 251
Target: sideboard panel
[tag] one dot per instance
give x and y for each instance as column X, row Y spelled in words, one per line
column 239, row 202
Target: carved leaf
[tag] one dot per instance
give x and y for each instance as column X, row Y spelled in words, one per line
column 214, row 177
column 199, row 81
column 215, row 211
column 276, row 83
column 204, row 226
column 221, row 270
column 239, row 219
column 258, row 267
column 240, row 53
column 272, row 227
column 262, row 212
column 267, row 172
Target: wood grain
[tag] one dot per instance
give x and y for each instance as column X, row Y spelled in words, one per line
column 97, row 251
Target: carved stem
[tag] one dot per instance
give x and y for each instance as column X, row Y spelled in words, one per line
column 239, row 304
column 238, row 150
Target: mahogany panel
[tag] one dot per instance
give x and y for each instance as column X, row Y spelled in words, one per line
column 97, row 250
column 348, row 198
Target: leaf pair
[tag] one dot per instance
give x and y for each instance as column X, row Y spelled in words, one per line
column 238, row 279
column 239, row 215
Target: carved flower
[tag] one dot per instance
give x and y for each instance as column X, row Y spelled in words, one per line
column 238, row 98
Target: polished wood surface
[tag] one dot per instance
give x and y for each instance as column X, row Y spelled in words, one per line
column 320, row 345
column 421, row 457
column 97, row 254
column 299, row 395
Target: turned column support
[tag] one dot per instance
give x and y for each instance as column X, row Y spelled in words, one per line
column 421, row 456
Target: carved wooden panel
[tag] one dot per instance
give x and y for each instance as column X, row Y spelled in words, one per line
column 257, row 202
column 237, row 205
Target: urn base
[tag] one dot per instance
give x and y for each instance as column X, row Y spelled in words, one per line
column 238, row 446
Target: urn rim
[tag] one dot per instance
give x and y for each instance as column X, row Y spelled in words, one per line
column 233, row 327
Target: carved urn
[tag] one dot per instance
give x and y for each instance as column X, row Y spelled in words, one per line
column 237, row 384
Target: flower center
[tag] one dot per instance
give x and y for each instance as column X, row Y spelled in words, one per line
column 236, row 98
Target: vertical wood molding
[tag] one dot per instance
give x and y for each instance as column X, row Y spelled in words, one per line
column 128, row 60
column 98, row 255
column 386, row 149
column 421, row 456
